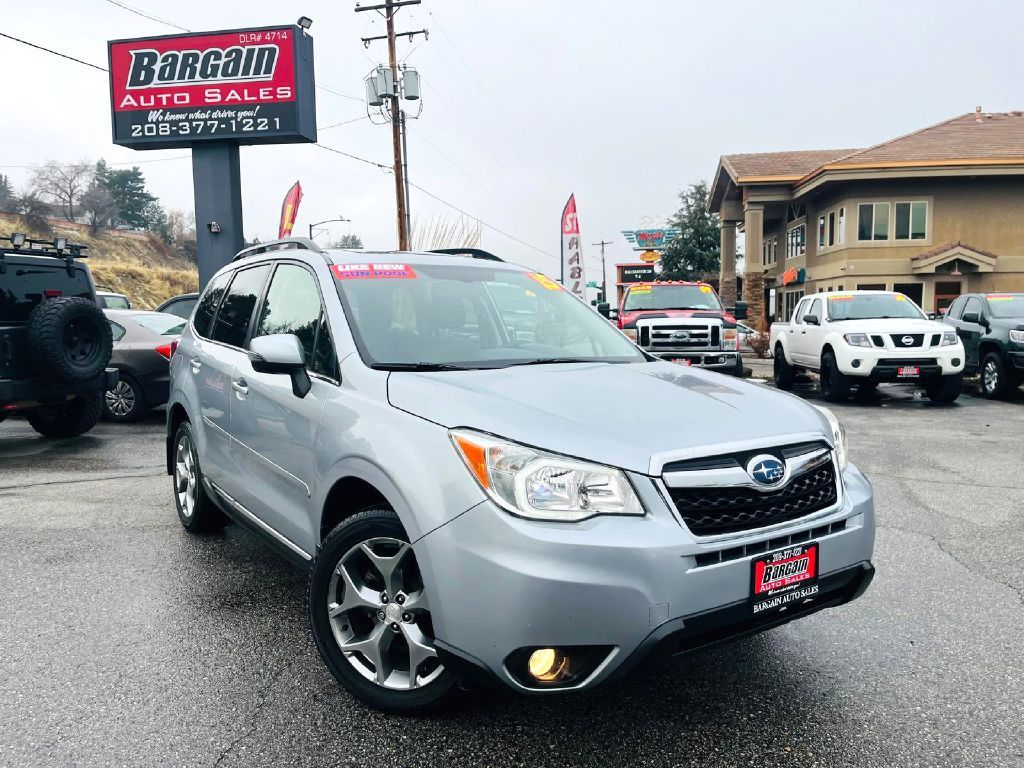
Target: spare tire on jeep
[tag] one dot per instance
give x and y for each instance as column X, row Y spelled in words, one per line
column 70, row 339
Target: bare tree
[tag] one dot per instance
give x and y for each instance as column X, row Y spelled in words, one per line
column 446, row 232
column 99, row 207
column 181, row 225
column 63, row 184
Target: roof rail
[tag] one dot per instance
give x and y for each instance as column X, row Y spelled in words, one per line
column 474, row 253
column 284, row 244
column 58, row 248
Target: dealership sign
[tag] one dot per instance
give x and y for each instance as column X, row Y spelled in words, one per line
column 247, row 86
column 650, row 239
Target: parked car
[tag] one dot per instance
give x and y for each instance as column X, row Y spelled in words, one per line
column 54, row 341
column 991, row 327
column 863, row 338
column 143, row 345
column 682, row 322
column 474, row 505
column 110, row 300
column 181, row 306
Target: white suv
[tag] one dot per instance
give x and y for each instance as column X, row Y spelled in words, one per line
column 864, row 338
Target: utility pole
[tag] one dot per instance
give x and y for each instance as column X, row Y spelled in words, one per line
column 387, row 9
column 604, row 292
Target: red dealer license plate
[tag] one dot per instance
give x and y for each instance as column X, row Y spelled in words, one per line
column 784, row 578
column 680, row 361
column 908, row 371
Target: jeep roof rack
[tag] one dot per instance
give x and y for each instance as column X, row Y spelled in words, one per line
column 284, row 244
column 57, row 248
column 474, row 253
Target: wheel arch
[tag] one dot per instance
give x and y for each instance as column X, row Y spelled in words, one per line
column 989, row 345
column 176, row 416
column 356, row 484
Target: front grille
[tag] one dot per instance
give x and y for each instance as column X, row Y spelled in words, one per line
column 936, row 339
column 697, row 336
column 901, row 361
column 760, row 547
column 899, row 340
column 717, row 510
column 877, row 340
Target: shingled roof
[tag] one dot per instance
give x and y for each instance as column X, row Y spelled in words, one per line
column 781, row 165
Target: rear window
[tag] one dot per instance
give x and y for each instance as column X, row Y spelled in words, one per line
column 23, row 286
column 158, row 322
column 208, row 304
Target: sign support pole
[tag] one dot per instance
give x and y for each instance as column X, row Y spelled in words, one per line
column 217, row 183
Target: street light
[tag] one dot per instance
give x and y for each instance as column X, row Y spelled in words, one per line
column 325, row 221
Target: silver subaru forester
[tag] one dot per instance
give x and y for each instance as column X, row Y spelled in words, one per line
column 487, row 481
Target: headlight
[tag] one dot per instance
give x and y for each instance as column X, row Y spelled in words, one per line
column 1017, row 336
column 857, row 339
column 949, row 339
column 729, row 338
column 630, row 332
column 838, row 437
column 543, row 486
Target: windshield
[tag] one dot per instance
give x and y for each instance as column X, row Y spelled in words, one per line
column 1006, row 305
column 642, row 297
column 867, row 306
column 159, row 322
column 409, row 315
column 113, row 301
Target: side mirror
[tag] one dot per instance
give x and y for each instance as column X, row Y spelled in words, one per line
column 603, row 308
column 739, row 312
column 971, row 317
column 811, row 320
column 510, row 331
column 281, row 353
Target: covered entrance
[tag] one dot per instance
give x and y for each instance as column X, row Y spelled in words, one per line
column 951, row 266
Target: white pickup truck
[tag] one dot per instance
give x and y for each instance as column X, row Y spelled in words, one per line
column 863, row 338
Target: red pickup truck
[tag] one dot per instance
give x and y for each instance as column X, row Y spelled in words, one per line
column 683, row 322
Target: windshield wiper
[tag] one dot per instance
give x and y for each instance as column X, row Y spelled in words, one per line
column 554, row 360
column 420, row 367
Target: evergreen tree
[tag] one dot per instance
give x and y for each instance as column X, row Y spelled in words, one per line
column 348, row 241
column 128, row 188
column 695, row 253
column 6, row 192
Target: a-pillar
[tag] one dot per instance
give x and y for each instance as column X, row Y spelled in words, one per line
column 727, row 276
column 753, row 269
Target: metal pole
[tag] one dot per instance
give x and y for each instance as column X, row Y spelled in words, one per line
column 396, row 128
column 216, row 179
column 604, row 285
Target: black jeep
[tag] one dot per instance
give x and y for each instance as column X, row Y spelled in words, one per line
column 54, row 340
column 991, row 326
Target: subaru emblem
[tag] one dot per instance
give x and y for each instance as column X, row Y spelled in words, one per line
column 907, row 340
column 766, row 470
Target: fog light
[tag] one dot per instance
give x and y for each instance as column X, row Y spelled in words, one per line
column 956, row 361
column 548, row 665
column 855, row 363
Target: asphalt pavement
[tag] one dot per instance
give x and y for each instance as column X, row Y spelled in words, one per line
column 126, row 641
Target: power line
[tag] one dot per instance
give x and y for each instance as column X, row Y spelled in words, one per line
column 134, row 162
column 383, row 167
column 49, row 50
column 145, row 15
column 343, row 122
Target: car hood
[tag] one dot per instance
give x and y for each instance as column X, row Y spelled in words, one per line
column 618, row 415
column 894, row 325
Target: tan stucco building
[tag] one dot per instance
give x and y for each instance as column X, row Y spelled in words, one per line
column 933, row 214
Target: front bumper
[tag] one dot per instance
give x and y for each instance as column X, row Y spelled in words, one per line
column 28, row 393
column 631, row 586
column 883, row 365
column 715, row 360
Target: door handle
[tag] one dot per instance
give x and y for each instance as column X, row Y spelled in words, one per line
column 241, row 386
column 195, row 362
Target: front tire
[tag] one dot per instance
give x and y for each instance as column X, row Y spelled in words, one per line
column 70, row 419
column 126, row 402
column 835, row 386
column 946, row 390
column 782, row 371
column 196, row 510
column 370, row 617
column 995, row 381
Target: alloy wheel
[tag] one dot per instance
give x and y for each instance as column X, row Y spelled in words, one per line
column 990, row 377
column 185, row 476
column 379, row 615
column 121, row 399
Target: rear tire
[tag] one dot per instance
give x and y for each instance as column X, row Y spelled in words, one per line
column 945, row 390
column 70, row 419
column 835, row 387
column 783, row 372
column 346, row 601
column 196, row 510
column 126, row 402
column 995, row 380
column 70, row 339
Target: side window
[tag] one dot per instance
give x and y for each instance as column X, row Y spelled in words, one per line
column 816, row 309
column 956, row 308
column 801, row 310
column 208, row 304
column 973, row 305
column 116, row 331
column 232, row 324
column 293, row 305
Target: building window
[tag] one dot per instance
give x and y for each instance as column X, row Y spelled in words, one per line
column 841, row 237
column 770, row 250
column 913, row 291
column 831, row 228
column 871, row 286
column 796, row 241
column 821, row 231
column 911, row 220
column 873, row 221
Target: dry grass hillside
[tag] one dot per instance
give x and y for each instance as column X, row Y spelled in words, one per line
column 137, row 264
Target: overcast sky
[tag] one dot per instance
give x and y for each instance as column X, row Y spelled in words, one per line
column 524, row 102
